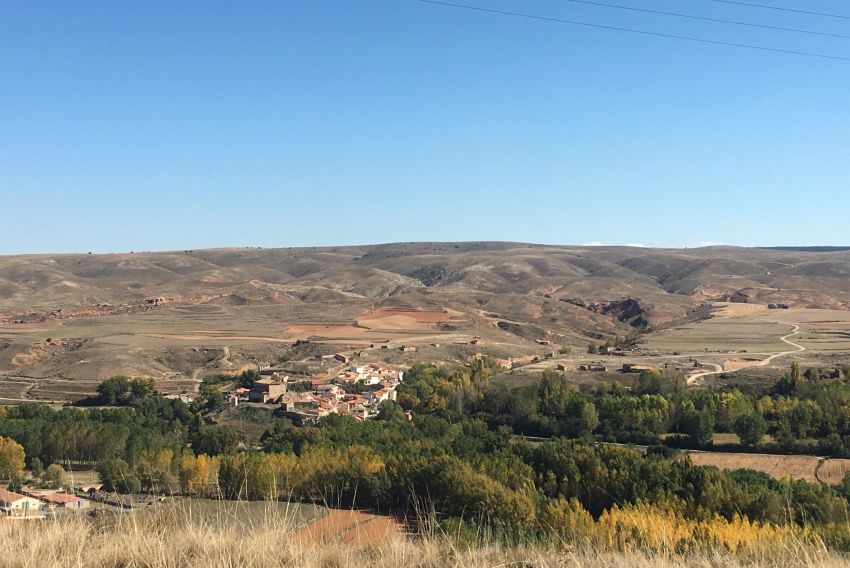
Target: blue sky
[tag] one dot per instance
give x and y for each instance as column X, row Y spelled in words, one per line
column 173, row 125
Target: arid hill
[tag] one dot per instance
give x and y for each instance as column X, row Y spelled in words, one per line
column 155, row 313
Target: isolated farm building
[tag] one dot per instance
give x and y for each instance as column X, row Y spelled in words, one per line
column 64, row 501
column 16, row 505
column 341, row 358
column 564, row 367
column 543, row 341
column 408, row 348
column 266, row 390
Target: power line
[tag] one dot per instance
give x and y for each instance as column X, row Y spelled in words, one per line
column 707, row 19
column 633, row 31
column 781, row 9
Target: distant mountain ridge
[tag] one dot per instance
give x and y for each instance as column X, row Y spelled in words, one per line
column 812, row 277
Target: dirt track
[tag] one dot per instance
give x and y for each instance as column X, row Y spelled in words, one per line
column 738, row 364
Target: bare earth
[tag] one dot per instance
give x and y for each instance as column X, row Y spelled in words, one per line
column 356, row 528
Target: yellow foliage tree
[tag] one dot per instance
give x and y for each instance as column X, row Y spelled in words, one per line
column 659, row 529
column 567, row 520
column 196, row 474
column 11, row 460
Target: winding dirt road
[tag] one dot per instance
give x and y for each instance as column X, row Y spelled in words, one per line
column 695, row 379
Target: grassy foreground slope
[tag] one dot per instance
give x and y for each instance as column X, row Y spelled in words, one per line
column 272, row 542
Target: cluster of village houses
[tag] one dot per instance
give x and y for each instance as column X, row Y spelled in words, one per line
column 38, row 503
column 377, row 384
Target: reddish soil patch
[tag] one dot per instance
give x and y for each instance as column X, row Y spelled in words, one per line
column 417, row 314
column 357, row 528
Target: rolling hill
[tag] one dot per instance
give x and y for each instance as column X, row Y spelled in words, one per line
column 151, row 312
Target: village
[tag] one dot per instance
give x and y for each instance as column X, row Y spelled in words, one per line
column 356, row 391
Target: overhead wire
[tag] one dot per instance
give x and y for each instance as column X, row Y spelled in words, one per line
column 633, row 30
column 783, row 9
column 708, row 19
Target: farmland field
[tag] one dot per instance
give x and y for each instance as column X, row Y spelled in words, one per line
column 832, row 471
column 748, row 334
column 778, row 466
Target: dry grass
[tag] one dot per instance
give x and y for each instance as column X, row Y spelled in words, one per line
column 778, row 466
column 130, row 542
column 833, row 471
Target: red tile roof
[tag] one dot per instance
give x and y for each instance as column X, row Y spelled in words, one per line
column 7, row 497
column 60, row 498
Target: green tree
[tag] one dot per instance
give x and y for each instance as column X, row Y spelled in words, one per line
column 391, row 411
column 698, row 425
column 248, row 378
column 55, row 477
column 209, row 398
column 117, row 475
column 750, row 428
column 214, row 440
column 36, row 467
column 123, row 391
column 592, row 349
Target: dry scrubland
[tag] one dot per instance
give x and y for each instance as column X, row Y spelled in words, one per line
column 69, row 321
column 628, row 539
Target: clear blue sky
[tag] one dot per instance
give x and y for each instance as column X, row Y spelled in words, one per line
column 171, row 125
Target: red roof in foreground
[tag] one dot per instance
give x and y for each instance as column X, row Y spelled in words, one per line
column 60, row 498
column 9, row 496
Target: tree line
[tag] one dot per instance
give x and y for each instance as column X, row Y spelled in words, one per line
column 460, row 455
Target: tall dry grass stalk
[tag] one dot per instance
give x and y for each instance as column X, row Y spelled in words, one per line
column 227, row 538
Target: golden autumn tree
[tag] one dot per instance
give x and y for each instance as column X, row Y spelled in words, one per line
column 11, row 460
